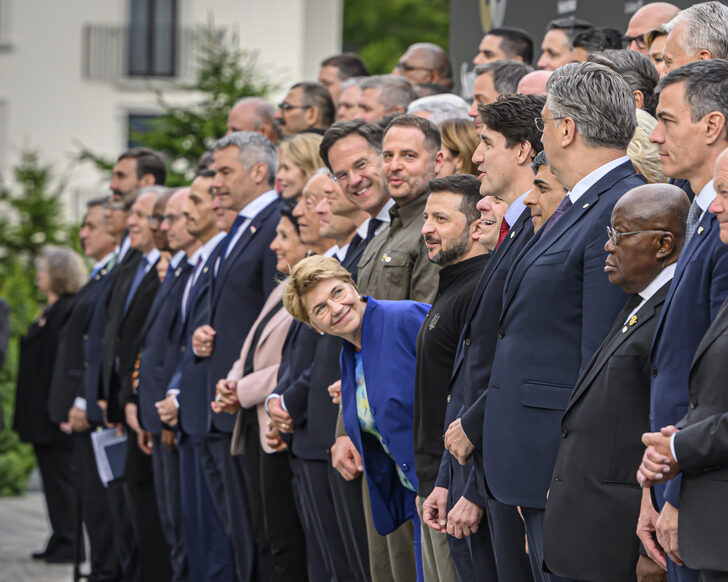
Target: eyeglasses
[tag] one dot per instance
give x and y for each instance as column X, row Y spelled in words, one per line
column 115, row 206
column 614, row 236
column 404, row 67
column 322, row 309
column 541, row 122
column 359, row 166
column 639, row 40
column 172, row 218
column 154, row 220
column 285, row 106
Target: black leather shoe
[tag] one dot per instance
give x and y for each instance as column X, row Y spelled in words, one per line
column 39, row 555
column 59, row 558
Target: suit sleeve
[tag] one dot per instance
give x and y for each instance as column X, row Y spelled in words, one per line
column 601, row 301
column 472, row 422
column 443, row 473
column 472, row 492
column 296, row 396
column 704, row 444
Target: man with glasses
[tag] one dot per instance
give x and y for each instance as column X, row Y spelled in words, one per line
column 424, row 62
column 557, row 283
column 649, row 17
column 307, row 108
column 609, row 408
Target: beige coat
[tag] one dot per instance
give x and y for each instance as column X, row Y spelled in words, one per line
column 256, row 386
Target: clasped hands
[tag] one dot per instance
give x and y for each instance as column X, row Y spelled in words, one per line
column 658, row 464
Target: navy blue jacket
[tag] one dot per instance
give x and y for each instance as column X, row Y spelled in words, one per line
column 160, row 352
column 558, row 306
column 388, row 353
column 237, row 293
column 698, row 289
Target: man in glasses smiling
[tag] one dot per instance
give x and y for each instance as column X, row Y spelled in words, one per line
column 307, row 108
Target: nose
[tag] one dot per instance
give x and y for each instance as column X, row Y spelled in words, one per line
column 542, row 62
column 322, row 207
column 478, row 156
column 427, row 228
column 657, row 136
column 531, row 199
column 609, row 246
column 716, row 207
column 298, row 208
column 278, row 114
column 473, row 111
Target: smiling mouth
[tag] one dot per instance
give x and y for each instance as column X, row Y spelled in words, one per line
column 343, row 316
column 361, row 192
column 487, row 222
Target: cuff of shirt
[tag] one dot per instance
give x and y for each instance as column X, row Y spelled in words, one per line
column 269, row 398
column 80, row 403
column 672, row 448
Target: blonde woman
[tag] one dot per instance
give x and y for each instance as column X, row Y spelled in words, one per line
column 298, row 160
column 644, row 154
column 459, row 140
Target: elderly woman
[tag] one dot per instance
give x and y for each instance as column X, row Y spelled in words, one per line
column 377, row 382
column 60, row 273
column 298, row 160
column 265, row 457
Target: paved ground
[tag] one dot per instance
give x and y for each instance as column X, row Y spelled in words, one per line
column 24, row 529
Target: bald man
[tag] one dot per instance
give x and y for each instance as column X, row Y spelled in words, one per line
column 609, row 408
column 533, row 83
column 253, row 114
column 649, row 17
column 424, row 62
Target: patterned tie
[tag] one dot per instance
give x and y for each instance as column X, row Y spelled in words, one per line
column 693, row 220
column 138, row 276
column 560, row 209
column 504, row 228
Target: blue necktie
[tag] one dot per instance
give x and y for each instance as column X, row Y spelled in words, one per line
column 138, row 276
column 233, row 229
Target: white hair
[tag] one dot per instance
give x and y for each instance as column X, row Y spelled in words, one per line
column 706, row 28
column 442, row 107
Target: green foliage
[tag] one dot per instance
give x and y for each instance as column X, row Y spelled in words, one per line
column 381, row 30
column 30, row 217
column 224, row 74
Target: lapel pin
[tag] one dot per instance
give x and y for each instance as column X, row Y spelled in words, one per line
column 700, row 230
column 513, row 233
column 624, row 329
column 386, row 258
column 178, row 271
column 586, row 205
column 632, row 320
column 204, row 270
column 252, row 229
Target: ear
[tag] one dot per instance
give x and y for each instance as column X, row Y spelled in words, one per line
column 567, row 132
column 311, row 115
column 259, row 173
column 639, row 99
column 714, row 126
column 523, row 153
column 473, row 231
column 458, row 163
column 439, row 158
column 666, row 246
column 146, row 180
column 704, row 55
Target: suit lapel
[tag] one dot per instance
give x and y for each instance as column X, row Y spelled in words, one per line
column 716, row 329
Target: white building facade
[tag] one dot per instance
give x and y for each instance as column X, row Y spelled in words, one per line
column 76, row 73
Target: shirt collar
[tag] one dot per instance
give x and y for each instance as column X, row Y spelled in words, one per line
column 706, row 196
column 176, row 259
column 100, row 263
column 253, row 207
column 205, row 250
column 662, row 277
column 515, row 210
column 411, row 211
column 152, row 256
column 384, row 212
column 593, row 177
column 123, row 248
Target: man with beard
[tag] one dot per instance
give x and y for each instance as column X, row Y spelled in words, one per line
column 451, row 232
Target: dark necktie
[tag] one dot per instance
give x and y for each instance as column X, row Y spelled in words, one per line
column 239, row 219
column 560, row 209
column 372, row 228
column 354, row 244
column 693, row 220
column 188, row 287
column 504, row 227
column 136, row 281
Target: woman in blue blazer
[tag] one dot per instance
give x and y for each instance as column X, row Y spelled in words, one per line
column 377, row 379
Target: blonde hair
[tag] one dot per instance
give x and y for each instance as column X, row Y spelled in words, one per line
column 460, row 137
column 66, row 270
column 303, row 151
column 305, row 275
column 644, row 154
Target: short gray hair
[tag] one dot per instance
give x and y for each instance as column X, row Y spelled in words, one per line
column 442, row 107
column 66, row 270
column 395, row 90
column 706, row 86
column 253, row 148
column 705, row 29
column 351, row 81
column 158, row 190
column 506, row 74
column 635, row 68
column 264, row 111
column 598, row 100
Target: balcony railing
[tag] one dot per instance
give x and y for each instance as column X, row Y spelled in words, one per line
column 106, row 55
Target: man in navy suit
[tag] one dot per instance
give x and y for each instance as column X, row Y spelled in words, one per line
column 691, row 133
column 558, row 304
column 243, row 276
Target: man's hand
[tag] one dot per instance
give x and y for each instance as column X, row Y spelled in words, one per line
column 346, row 459
column 464, row 518
column 335, row 392
column 144, row 439
column 434, row 510
column 646, row 528
column 667, row 532
column 458, row 443
column 78, row 419
column 169, row 440
column 226, row 397
column 649, row 571
column 658, row 464
column 203, row 341
column 167, row 410
column 281, row 419
column 103, row 405
column 274, row 439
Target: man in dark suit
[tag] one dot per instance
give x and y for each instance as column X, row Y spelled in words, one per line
column 243, row 276
column 558, row 283
column 209, row 551
column 697, row 447
column 594, row 499
column 158, row 359
column 691, row 134
column 508, row 145
column 66, row 402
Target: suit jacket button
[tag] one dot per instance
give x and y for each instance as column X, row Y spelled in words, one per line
column 85, row 336
column 501, row 333
column 564, row 432
column 405, row 466
column 449, row 398
column 467, row 341
column 654, row 372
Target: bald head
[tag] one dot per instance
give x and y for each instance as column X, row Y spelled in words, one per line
column 650, row 16
column 533, row 83
column 253, row 114
column 425, row 62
